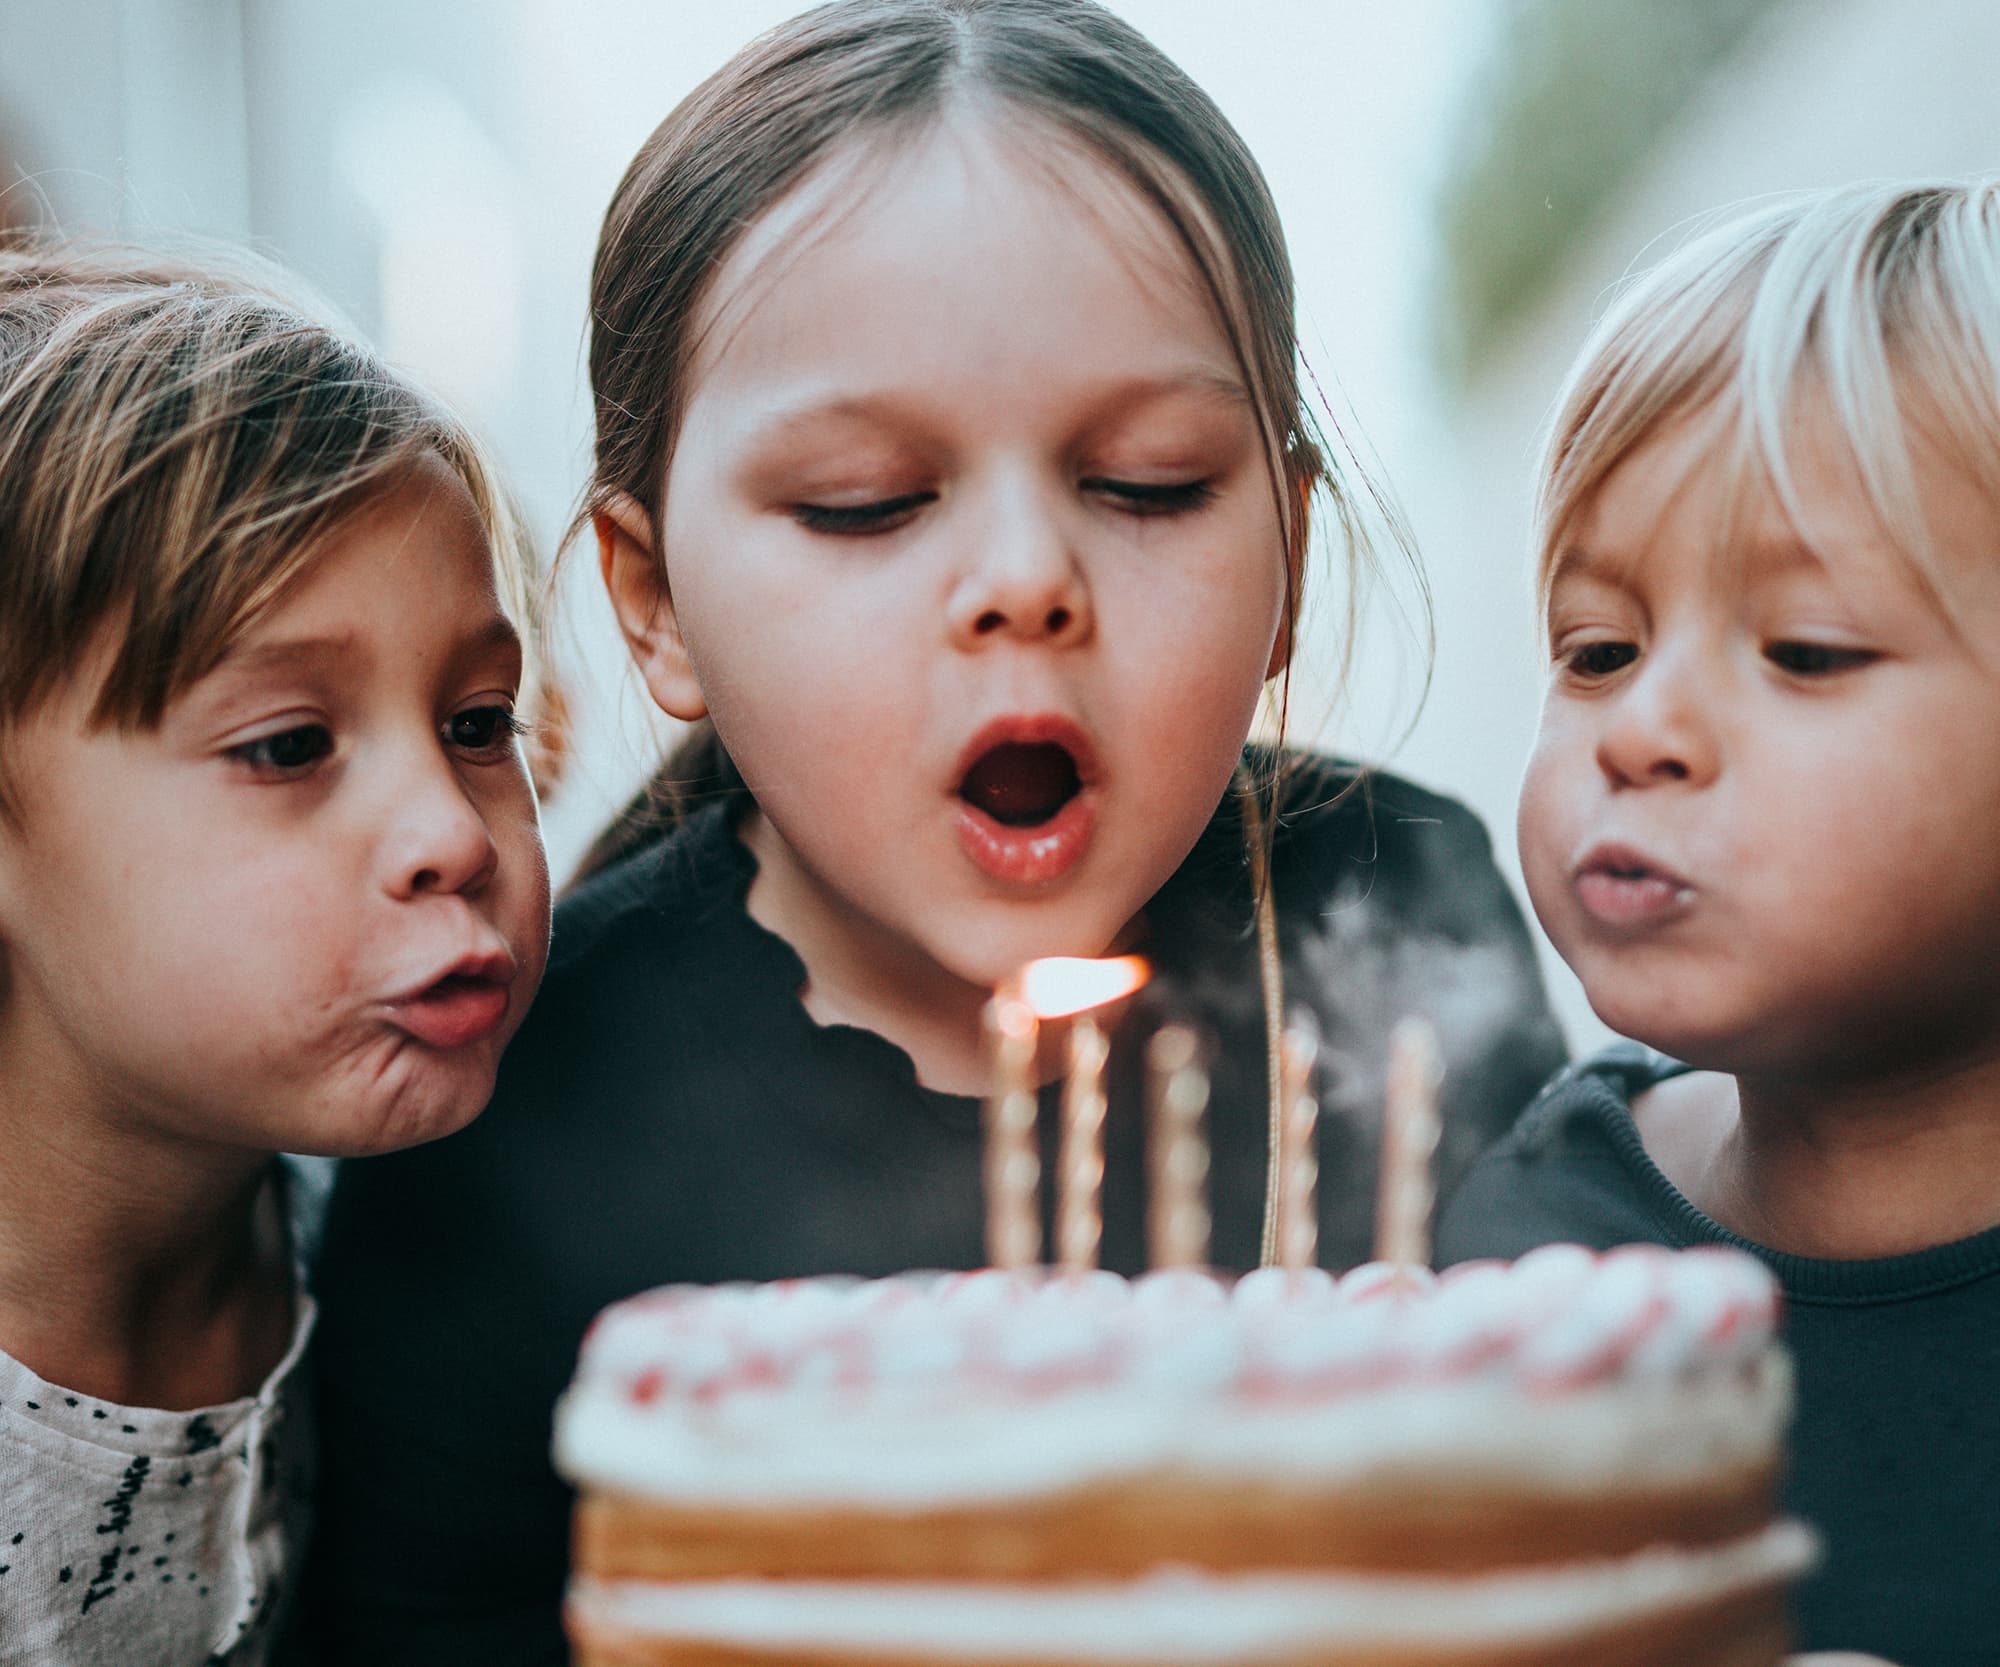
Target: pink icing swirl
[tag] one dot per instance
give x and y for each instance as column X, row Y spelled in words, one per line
column 1560, row 1319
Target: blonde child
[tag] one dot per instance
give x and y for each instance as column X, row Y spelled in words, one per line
column 1760, row 823
column 270, row 881
column 951, row 468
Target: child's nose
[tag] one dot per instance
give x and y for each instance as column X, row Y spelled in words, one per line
column 1023, row 580
column 1658, row 730
column 438, row 839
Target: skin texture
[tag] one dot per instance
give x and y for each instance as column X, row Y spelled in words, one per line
column 1781, row 718
column 209, row 929
column 1009, row 356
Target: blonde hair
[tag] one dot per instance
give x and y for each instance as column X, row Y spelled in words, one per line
column 178, row 439
column 1876, row 306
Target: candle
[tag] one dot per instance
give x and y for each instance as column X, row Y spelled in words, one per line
column 1080, row 1172
column 1054, row 988
column 1013, row 1165
column 1177, row 1219
column 1410, row 1130
column 1298, row 1165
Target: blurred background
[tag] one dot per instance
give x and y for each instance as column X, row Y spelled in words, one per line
column 1462, row 181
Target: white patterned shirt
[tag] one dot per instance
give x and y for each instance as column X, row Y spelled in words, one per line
column 133, row 1535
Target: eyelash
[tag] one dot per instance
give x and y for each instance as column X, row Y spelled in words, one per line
column 1144, row 498
column 1800, row 659
column 261, row 753
column 1135, row 498
column 1575, row 660
column 849, row 520
column 1827, row 661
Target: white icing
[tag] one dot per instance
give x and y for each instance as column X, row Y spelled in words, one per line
column 791, row 1447
column 1179, row 1616
column 1565, row 1369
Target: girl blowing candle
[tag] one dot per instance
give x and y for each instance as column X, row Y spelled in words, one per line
column 952, row 477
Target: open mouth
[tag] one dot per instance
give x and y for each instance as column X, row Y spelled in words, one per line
column 1022, row 784
column 1028, row 799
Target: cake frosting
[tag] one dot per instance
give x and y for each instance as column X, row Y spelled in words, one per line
column 1576, row 1450
column 886, row 1390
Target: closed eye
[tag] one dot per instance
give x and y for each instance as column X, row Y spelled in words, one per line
column 1149, row 498
column 1817, row 659
column 859, row 520
column 1599, row 659
column 285, row 754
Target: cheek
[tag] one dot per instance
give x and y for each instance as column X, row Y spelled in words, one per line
column 1548, row 791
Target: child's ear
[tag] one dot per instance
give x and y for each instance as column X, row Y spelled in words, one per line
column 636, row 582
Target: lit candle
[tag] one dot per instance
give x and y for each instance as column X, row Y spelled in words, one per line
column 1298, row 1166
column 1177, row 1220
column 1013, row 1165
column 1410, row 1130
column 1080, row 1175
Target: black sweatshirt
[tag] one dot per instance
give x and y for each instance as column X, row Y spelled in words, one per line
column 1895, row 1453
column 670, row 1112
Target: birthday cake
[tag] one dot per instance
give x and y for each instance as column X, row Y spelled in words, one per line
column 1570, row 1459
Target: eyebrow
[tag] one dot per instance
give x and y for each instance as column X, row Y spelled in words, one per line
column 1575, row 561
column 1761, row 556
column 896, row 408
column 293, row 653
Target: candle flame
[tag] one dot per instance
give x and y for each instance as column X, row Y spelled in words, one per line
column 1062, row 985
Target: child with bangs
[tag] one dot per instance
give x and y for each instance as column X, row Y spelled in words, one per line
column 1760, row 823
column 271, row 882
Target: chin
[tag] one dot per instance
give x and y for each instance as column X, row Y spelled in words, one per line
column 1709, row 1039
column 412, row 1116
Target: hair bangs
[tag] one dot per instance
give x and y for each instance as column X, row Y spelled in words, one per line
column 1872, row 311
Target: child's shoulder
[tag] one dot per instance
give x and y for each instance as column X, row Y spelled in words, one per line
column 1368, row 813
column 1348, row 832
column 656, row 896
column 1573, row 1168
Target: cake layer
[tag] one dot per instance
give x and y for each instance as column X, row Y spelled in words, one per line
column 1566, row 1374
column 1127, row 1527
column 1722, row 1606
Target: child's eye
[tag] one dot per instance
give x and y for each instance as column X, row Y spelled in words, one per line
column 490, row 730
column 859, row 520
column 1146, row 498
column 1599, row 659
column 1816, row 659
column 287, row 753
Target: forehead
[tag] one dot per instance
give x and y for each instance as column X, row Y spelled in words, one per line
column 1701, row 486
column 409, row 572
column 978, row 242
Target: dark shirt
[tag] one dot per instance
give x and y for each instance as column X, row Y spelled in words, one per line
column 670, row 1112
column 1895, row 1452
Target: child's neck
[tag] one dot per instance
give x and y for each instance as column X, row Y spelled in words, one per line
column 135, row 1267
column 1841, row 1169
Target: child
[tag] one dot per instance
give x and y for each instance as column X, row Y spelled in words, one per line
column 270, row 880
column 1759, row 822
column 950, row 458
